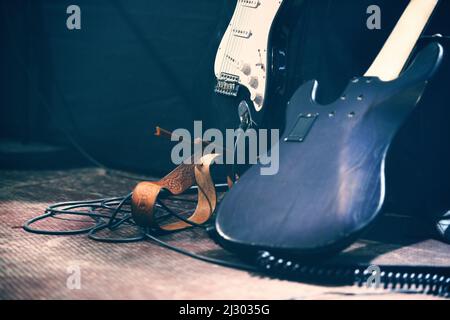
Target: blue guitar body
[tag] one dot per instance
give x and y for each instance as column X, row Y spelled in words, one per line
column 331, row 182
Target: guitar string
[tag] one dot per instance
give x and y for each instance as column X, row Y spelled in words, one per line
column 234, row 47
column 248, row 23
column 229, row 53
column 230, row 37
column 245, row 21
column 238, row 46
column 236, row 40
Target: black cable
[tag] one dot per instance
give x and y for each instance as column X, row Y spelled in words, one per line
column 179, row 216
column 118, row 217
column 196, row 256
column 112, row 225
column 403, row 279
column 100, row 227
column 107, row 213
column 27, row 227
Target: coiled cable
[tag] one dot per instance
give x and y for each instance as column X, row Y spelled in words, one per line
column 405, row 279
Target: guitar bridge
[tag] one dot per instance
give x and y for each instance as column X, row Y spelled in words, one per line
column 227, row 84
column 249, row 3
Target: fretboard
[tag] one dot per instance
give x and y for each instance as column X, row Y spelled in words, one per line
column 398, row 47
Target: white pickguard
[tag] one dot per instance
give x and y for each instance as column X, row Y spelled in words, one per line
column 242, row 57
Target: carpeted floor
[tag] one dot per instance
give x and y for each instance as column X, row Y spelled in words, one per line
column 39, row 267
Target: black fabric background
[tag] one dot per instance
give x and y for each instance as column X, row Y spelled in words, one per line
column 137, row 64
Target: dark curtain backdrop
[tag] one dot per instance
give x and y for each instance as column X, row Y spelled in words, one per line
column 137, row 64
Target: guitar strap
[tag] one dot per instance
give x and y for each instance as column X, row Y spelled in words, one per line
column 177, row 182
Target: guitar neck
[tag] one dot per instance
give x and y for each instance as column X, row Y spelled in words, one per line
column 395, row 53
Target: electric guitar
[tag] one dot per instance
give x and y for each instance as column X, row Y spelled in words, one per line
column 331, row 182
column 250, row 51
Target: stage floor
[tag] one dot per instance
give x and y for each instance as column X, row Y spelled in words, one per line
column 38, row 267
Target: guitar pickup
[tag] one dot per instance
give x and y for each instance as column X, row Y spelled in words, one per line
column 242, row 33
column 250, row 3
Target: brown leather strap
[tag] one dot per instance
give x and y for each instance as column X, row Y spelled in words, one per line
column 177, row 182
